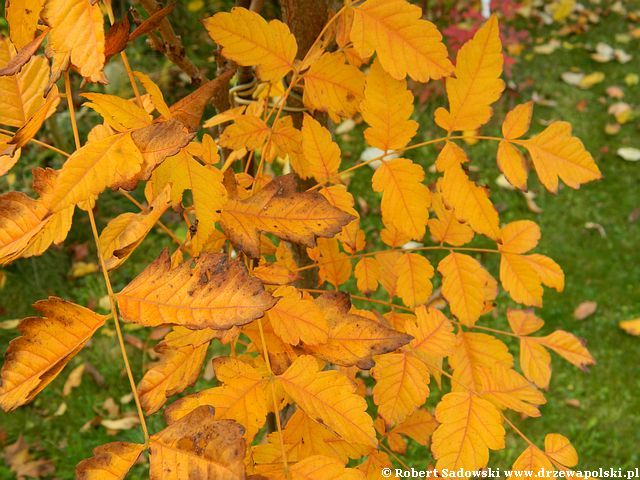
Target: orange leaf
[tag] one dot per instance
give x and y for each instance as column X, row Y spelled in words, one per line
column 111, row 461
column 462, row 286
column 517, row 121
column 321, row 155
column 414, row 279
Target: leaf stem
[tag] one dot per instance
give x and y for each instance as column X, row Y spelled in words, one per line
column 107, row 281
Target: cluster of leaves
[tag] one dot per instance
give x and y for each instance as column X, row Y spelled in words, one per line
column 304, row 357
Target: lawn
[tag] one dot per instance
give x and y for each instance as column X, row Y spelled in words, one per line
column 593, row 233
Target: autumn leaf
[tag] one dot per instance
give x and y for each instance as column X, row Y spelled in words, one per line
column 247, row 39
column 198, row 446
column 432, row 334
column 29, row 367
column 23, row 93
column 118, row 113
column 560, row 449
column 321, row 155
column 329, row 396
column 477, row 82
column 405, row 199
column 333, row 86
column 569, row 347
column 517, row 121
column 512, row 164
column 469, row 427
column 632, row 327
column 446, row 228
column 532, row 460
column 404, row 42
column 76, row 38
column 319, row 467
column 353, row 339
column 556, row 154
column 367, row 274
column 155, row 93
column 402, row 385
column 111, row 461
column 22, row 16
column 387, row 109
column 295, row 318
column 334, row 266
column 414, row 279
column 519, row 236
column 279, row 209
column 462, row 286
column 216, row 293
column 506, row 388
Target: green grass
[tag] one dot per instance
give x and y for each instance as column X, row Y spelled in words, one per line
column 605, row 428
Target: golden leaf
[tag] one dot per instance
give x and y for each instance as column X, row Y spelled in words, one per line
column 22, row 93
column 247, row 131
column 512, row 164
column 432, row 334
column 33, row 360
column 296, row 318
column 197, row 446
column 517, row 121
column 560, row 449
column 279, row 209
column 523, row 322
column 557, row 154
column 353, row 339
column 333, row 86
column 247, row 39
column 111, row 461
column 405, row 199
column 321, row 155
column 402, row 385
column 320, row 467
column 176, row 369
column 183, row 172
column 462, row 286
column 569, row 347
column 97, row 165
column 387, row 108
column 532, row 460
column 519, row 236
column 477, row 82
column 520, row 279
column 242, row 397
column 469, row 427
column 76, row 38
column 535, row 362
column 118, row 113
column 334, row 266
column 470, row 202
column 155, row 93
column 446, row 228
column 404, row 42
column 414, row 279
column 367, row 274
column 22, row 16
column 330, row 397
column 632, row 327
column 508, row 389
column 216, row 293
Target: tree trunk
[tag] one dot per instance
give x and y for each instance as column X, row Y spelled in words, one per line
column 305, row 18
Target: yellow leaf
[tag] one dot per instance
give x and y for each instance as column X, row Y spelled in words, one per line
column 197, row 446
column 353, row 339
column 334, row 266
column 94, row 167
column 513, row 165
column 367, row 274
column 470, row 202
column 176, row 369
column 402, row 385
column 549, row 271
column 247, row 39
column 124, row 233
column 295, row 318
column 23, row 16
column 462, row 286
column 216, row 293
column 418, row 426
column 432, row 333
column 351, row 236
column 405, row 199
column 29, row 367
column 111, row 461
column 560, row 449
column 388, row 273
column 242, row 397
column 286, row 141
column 183, row 172
column 333, row 86
column 330, row 397
column 118, row 113
column 404, row 42
column 569, row 347
column 446, row 228
column 517, row 121
column 557, row 154
column 76, row 38
column 156, row 94
column 508, row 389
column 519, row 236
column 451, row 155
column 473, row 351
column 632, row 327
column 387, row 108
column 469, row 427
column 520, row 279
column 532, row 460
column 22, row 93
column 414, row 279
column 319, row 467
column 535, row 361
column 477, row 82
column 523, row 322
column 321, row 155
column 248, row 131
column 278, row 209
